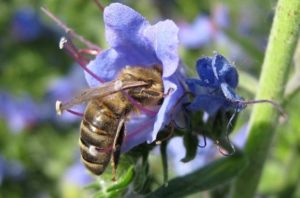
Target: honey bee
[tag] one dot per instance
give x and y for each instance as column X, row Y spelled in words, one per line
column 102, row 129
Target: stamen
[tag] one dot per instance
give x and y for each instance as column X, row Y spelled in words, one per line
column 73, row 51
column 89, row 52
column 100, row 6
column 273, row 103
column 61, row 107
column 75, row 112
column 58, row 107
column 139, row 106
column 69, row 31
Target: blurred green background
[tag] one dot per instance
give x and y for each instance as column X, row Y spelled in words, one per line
column 39, row 153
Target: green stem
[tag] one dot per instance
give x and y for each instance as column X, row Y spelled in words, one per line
column 279, row 53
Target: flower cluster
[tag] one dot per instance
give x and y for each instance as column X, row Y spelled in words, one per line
column 134, row 42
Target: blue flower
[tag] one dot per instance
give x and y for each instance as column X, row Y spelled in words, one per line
column 215, row 90
column 197, row 34
column 20, row 114
column 26, row 25
column 77, row 175
column 133, row 41
column 205, row 29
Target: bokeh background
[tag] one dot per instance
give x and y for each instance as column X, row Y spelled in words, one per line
column 39, row 152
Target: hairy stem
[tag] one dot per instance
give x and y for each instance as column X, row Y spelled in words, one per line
column 279, row 53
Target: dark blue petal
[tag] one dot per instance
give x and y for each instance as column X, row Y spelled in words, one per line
column 208, row 103
column 224, row 71
column 197, row 86
column 232, row 97
column 205, row 71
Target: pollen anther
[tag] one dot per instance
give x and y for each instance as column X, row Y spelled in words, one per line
column 58, row 107
column 62, row 42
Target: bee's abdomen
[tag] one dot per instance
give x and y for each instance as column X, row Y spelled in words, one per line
column 97, row 133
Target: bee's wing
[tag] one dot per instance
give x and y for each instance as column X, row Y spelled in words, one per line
column 96, row 92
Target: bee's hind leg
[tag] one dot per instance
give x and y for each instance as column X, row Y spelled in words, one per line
column 117, row 147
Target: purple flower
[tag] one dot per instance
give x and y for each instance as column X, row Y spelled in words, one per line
column 215, row 90
column 26, row 25
column 197, row 34
column 19, row 113
column 205, row 28
column 77, row 175
column 134, row 41
column 176, row 151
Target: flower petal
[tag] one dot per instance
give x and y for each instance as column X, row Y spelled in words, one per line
column 224, row 71
column 164, row 115
column 124, row 29
column 208, row 103
column 164, row 38
column 106, row 66
column 138, row 130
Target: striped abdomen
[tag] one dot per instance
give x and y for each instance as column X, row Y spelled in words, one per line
column 98, row 130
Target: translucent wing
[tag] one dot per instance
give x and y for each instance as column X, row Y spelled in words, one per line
column 96, row 92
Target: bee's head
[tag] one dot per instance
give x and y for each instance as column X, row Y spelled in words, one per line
column 152, row 93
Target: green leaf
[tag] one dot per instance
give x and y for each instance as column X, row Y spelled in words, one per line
column 191, row 142
column 93, row 186
column 123, row 181
column 210, row 176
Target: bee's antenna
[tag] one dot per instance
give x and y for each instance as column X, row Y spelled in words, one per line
column 69, row 31
column 100, row 6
